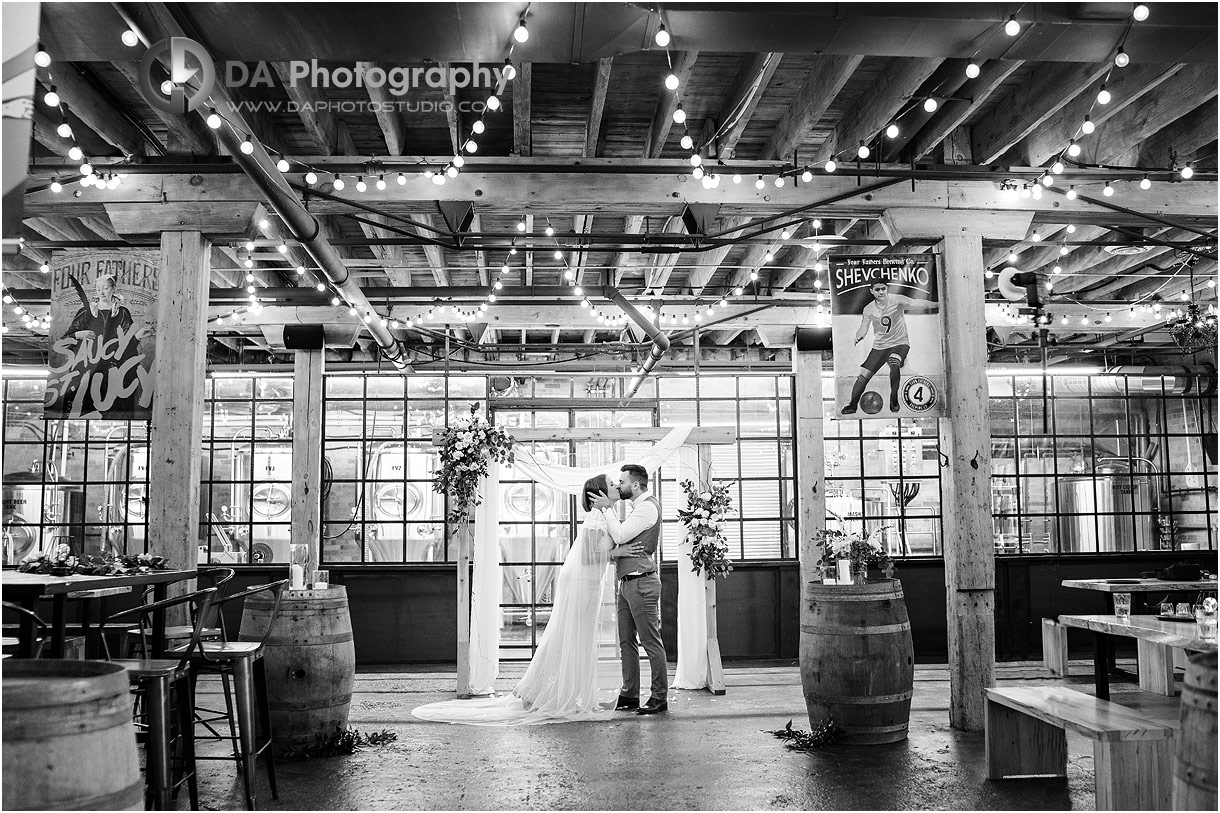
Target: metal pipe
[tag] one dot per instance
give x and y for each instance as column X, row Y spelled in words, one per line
column 660, row 342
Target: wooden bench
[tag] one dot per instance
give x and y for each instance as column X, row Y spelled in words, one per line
column 1132, row 756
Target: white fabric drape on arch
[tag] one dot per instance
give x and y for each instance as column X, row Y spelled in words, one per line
column 485, row 585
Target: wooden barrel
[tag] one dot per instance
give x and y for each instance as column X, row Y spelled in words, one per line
column 1194, row 770
column 310, row 660
column 857, row 660
column 69, row 742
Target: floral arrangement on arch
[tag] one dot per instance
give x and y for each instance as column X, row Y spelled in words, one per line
column 62, row 562
column 705, row 509
column 467, row 449
column 859, row 549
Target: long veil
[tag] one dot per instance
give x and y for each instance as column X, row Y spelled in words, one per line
column 575, row 671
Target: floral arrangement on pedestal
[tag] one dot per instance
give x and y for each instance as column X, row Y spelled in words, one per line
column 62, row 562
column 706, row 508
column 857, row 548
column 467, row 449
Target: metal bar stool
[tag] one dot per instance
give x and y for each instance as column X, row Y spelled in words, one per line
column 176, row 635
column 243, row 662
column 37, row 629
column 164, row 691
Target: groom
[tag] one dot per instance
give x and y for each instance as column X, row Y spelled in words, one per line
column 639, row 589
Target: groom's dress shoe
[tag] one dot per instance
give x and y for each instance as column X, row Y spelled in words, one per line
column 653, row 706
column 627, row 703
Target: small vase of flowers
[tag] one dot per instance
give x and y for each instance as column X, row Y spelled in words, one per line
column 857, row 551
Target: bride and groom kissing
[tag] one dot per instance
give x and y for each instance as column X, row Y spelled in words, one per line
column 561, row 682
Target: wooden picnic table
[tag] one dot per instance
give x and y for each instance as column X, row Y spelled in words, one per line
column 1155, row 641
column 27, row 588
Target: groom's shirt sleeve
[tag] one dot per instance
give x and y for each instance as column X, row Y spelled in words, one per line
column 642, row 517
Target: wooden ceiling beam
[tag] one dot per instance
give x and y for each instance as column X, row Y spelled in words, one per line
column 657, row 276
column 663, row 116
column 1027, row 106
column 452, row 116
column 742, row 100
column 1133, row 291
column 597, row 106
column 434, row 253
column 1183, row 137
column 1127, row 86
column 324, row 127
column 1084, row 259
column 1190, row 86
column 955, row 112
column 385, row 107
column 816, row 94
column 632, row 225
column 890, row 92
column 186, row 133
column 82, row 97
column 523, row 109
column 45, row 132
column 709, row 262
column 391, row 256
column 581, row 225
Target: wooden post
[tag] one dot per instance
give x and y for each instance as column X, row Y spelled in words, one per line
column 810, row 461
column 307, row 452
column 966, row 440
column 463, row 539
column 174, row 450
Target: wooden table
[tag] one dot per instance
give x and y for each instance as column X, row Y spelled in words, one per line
column 1155, row 639
column 26, row 588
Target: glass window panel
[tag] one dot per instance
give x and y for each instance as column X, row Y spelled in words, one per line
column 459, row 411
column 274, row 417
column 552, row 419
column 759, row 458
column 385, row 386
column 25, row 389
column 760, row 540
column 469, row 388
column 724, row 461
column 717, row 413
column 343, row 386
column 552, row 387
column 756, row 386
column 759, row 498
column 1003, row 415
column 232, row 388
column 271, row 388
column 731, row 531
column 784, row 413
column 1109, row 416
column 232, row 419
column 758, row 418
column 999, row 386
column 22, row 457
column 717, row 387
column 1072, row 416
column 678, row 387
column 424, row 416
column 671, row 536
column 384, row 419
column 341, row 544
column 425, row 386
column 920, row 458
column 676, row 412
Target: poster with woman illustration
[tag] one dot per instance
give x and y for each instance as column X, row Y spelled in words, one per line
column 102, row 319
column 886, row 333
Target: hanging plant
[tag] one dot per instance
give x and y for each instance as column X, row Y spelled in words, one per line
column 465, row 454
column 705, row 509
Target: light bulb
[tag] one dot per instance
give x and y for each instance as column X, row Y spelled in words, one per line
column 831, row 166
column 311, row 177
column 679, row 115
column 806, row 176
column 1145, row 183
column 493, row 102
column 452, row 172
column 64, row 130
column 1057, row 167
column 1036, row 192
column 282, row 165
column 87, row 180
column 339, row 184
column 661, row 38
column 1012, row 27
column 699, row 174
column 381, row 182
column 736, row 177
column 1073, row 148
column 1048, row 180
column 891, row 131
column 1187, row 172
column 247, row 146
column 1140, row 12
column 56, row 186
column 86, row 168
column 471, row 145
column 52, row 98
column 478, row 127
column 738, row 291
column 929, row 105
column 785, row 234
column 862, row 151
column 300, row 270
column 459, row 161
column 696, row 159
column 760, row 183
column 402, row 179
column 42, row 59
column 1103, row 96
column 972, row 70
column 768, row 257
column 520, row 225
column 1071, row 228
column 510, row 70
column 1035, row 237
column 1088, row 126
column 1107, row 190
column 521, row 33
column 249, row 263
column 1012, row 258
column 112, row 182
column 1058, row 269
column 282, row 248
column 129, row 38
column 75, row 154
column 779, row 181
column 687, row 142
column 1121, row 59
column 550, row 232
column 1071, row 193
column 671, row 81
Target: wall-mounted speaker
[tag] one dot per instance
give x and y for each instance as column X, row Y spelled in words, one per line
column 813, row 338
column 304, row 337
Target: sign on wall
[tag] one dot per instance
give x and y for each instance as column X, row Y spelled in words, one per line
column 102, row 319
column 886, row 331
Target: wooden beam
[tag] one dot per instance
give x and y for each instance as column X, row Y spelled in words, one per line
column 313, row 108
column 657, row 276
column 391, row 256
column 1191, row 85
column 581, row 225
column 385, row 106
column 891, row 91
column 82, row 97
column 1127, row 86
column 1022, row 110
column 45, row 132
column 810, row 467
column 186, row 133
column 955, row 112
column 307, row 445
column 174, row 453
column 632, row 225
column 743, row 98
column 1183, row 137
column 452, row 116
column 597, row 104
column 709, row 262
column 662, row 117
column 435, row 254
column 522, row 109
column 811, row 102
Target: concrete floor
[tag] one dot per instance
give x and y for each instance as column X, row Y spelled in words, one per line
column 708, row 753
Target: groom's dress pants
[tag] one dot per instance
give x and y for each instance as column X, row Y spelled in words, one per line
column 639, row 614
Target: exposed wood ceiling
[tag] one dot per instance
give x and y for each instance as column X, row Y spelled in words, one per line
column 586, row 142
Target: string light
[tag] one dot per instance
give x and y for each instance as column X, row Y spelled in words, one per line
column 1012, row 27
column 1121, row 58
column 671, row 81
column 930, row 105
column 1073, row 148
column 1107, row 190
column 831, row 166
column 661, row 38
column 51, row 98
column 891, row 131
column 972, row 70
column 806, row 176
column 1186, row 172
column 1145, row 183
column 679, row 114
column 1140, row 12
column 311, row 177
column 338, row 183
column 862, row 151
column 42, row 59
column 381, row 181
column 1103, row 96
column 1088, row 127
column 247, row 146
column 521, row 33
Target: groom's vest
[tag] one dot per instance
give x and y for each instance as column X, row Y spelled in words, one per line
column 651, row 537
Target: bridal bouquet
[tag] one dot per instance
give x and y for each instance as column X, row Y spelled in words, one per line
column 861, row 550
column 464, row 456
column 705, row 510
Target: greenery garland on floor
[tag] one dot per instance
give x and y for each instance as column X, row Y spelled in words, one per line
column 341, row 743
column 821, row 737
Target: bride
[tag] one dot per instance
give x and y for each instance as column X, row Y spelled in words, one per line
column 562, row 682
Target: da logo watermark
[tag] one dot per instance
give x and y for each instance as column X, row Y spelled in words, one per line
column 188, row 61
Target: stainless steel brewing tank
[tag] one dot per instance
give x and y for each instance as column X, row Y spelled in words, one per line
column 1106, row 512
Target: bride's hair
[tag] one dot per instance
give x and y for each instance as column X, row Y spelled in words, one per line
column 598, row 485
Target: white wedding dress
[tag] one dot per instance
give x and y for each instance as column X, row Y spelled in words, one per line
column 566, row 681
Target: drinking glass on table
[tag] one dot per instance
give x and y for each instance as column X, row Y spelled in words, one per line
column 1166, row 608
column 1122, row 606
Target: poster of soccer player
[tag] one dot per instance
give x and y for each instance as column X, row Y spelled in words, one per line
column 886, row 329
